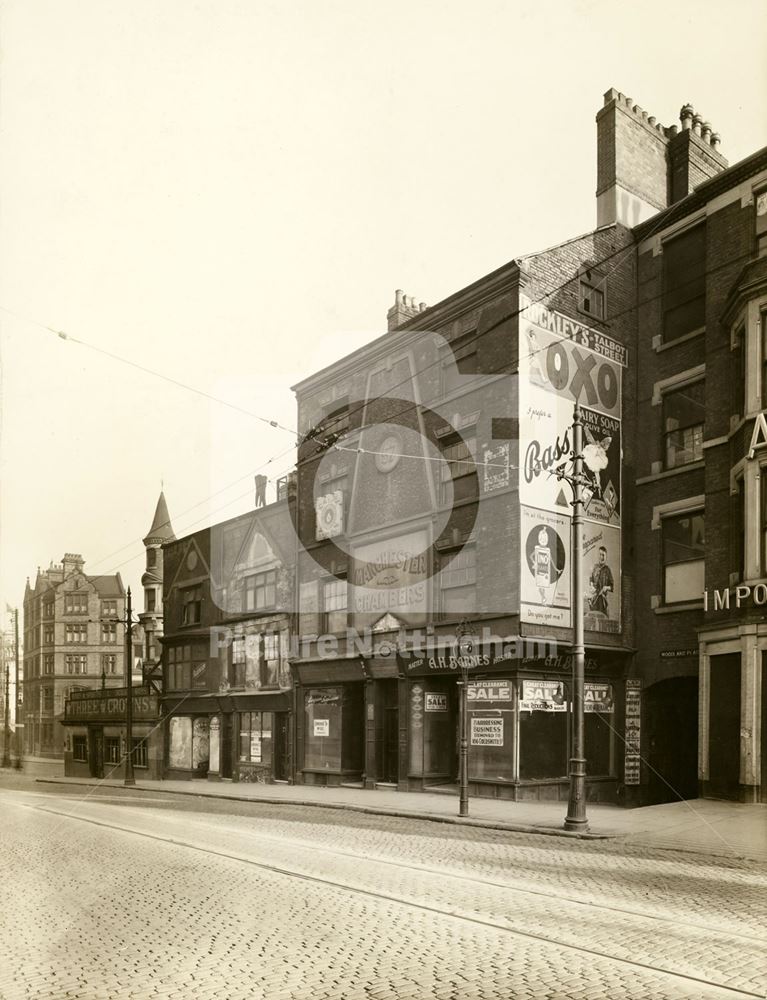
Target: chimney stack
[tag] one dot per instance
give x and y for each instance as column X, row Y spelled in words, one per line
column 643, row 167
column 404, row 308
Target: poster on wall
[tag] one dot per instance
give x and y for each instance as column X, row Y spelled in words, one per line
column 543, row 696
column 601, row 578
column 496, row 469
column 486, row 732
column 321, row 727
column 545, row 567
column 633, row 732
column 435, row 702
column 390, row 575
column 598, row 697
column 602, row 452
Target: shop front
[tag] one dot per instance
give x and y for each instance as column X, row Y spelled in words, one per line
column 96, row 740
column 231, row 737
column 519, row 724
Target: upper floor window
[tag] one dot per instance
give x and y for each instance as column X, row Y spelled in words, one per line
column 458, row 473
column 109, row 663
column 47, row 705
column 48, row 609
column 76, row 604
column 77, row 633
column 108, row 633
column 684, row 539
column 459, row 363
column 684, row 283
column 150, row 599
column 151, row 558
column 457, row 581
column 334, row 605
column 187, row 668
column 108, row 609
column 760, row 204
column 261, row 590
column 684, row 414
column 191, row 606
column 48, row 663
column 48, row 634
column 76, row 664
column 591, row 293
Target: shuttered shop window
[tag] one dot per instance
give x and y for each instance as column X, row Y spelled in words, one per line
column 684, row 283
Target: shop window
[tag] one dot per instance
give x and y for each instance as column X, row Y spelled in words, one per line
column 139, row 753
column 255, row 737
column 684, row 414
column 684, row 283
column 334, row 604
column 322, row 728
column 683, row 557
column 76, row 604
column 599, row 727
column 191, row 605
column 80, row 748
column 75, row 633
column 261, row 591
column 760, row 217
column 458, row 473
column 180, row 742
column 491, row 729
column 112, row 750
column 457, row 582
column 543, row 750
column 108, row 633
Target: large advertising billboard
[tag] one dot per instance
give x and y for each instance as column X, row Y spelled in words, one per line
column 562, row 362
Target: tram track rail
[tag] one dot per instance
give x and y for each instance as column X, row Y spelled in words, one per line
column 444, row 912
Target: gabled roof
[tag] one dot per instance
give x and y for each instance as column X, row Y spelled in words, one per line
column 161, row 530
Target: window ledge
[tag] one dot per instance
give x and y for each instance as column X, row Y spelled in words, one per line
column 668, row 473
column 659, row 346
column 670, row 609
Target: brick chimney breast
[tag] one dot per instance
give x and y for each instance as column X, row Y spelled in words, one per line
column 404, row 308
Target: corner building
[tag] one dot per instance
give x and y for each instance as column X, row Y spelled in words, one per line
column 426, row 508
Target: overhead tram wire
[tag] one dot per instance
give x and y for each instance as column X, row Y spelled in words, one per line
column 151, row 371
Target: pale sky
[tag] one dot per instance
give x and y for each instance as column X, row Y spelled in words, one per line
column 228, row 193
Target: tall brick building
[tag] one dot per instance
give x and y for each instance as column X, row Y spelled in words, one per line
column 428, row 498
column 72, row 640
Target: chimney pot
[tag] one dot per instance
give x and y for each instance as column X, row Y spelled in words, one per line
column 697, row 121
column 652, row 119
column 715, row 140
column 705, row 131
column 686, row 115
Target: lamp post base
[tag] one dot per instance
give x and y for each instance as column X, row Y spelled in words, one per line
column 575, row 821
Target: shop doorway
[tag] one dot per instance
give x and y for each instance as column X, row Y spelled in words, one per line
column 387, row 757
column 225, row 748
column 281, row 746
column 724, row 727
column 672, row 739
column 96, row 752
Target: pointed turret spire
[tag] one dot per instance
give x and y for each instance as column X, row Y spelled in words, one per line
column 161, row 530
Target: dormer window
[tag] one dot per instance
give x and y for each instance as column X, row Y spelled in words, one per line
column 760, row 204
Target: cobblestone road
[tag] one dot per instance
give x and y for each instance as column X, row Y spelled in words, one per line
column 122, row 895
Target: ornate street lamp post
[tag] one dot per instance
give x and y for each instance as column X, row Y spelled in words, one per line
column 465, row 638
column 580, row 481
